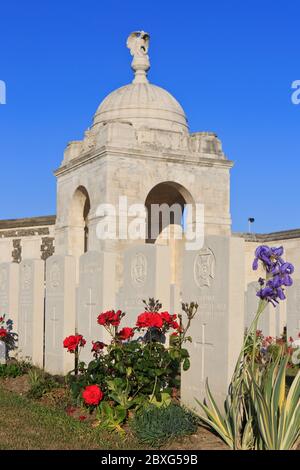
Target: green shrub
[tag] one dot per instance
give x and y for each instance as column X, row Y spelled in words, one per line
column 40, row 383
column 154, row 425
column 14, row 369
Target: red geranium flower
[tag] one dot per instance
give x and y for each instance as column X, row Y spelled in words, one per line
column 3, row 332
column 126, row 333
column 92, row 395
column 110, row 318
column 97, row 346
column 149, row 320
column 73, row 341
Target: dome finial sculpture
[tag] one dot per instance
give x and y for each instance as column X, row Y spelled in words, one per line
column 138, row 43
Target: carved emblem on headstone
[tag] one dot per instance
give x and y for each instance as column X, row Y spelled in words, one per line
column 3, row 279
column 27, row 276
column 204, row 267
column 54, row 275
column 139, row 269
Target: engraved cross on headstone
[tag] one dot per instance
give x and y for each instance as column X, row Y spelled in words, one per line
column 90, row 304
column 203, row 344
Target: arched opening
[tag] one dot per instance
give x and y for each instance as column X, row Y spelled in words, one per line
column 79, row 222
column 167, row 204
column 166, row 207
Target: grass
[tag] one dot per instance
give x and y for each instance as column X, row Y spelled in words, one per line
column 25, row 425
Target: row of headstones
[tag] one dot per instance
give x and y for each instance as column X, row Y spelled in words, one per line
column 213, row 277
column 45, row 312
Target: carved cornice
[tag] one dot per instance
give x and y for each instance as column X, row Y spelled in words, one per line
column 108, row 151
column 27, row 222
column 24, row 232
column 269, row 237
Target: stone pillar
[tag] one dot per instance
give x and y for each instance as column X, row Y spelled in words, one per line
column 214, row 278
column 60, row 312
column 31, row 311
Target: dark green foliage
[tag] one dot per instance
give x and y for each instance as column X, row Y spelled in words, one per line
column 147, row 367
column 14, row 369
column 155, row 425
column 40, row 383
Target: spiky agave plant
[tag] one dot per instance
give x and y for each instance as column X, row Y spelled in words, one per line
column 277, row 413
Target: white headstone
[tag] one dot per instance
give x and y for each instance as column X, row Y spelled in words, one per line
column 147, row 274
column 2, row 352
column 9, row 289
column 31, row 311
column 60, row 312
column 293, row 310
column 214, row 278
column 97, row 287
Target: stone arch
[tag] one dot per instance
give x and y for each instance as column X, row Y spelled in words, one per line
column 169, row 230
column 175, row 197
column 79, row 222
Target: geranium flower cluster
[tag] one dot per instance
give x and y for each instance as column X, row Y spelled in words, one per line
column 278, row 273
column 162, row 320
column 73, row 342
column 110, row 318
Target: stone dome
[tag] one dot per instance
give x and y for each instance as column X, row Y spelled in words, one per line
column 141, row 103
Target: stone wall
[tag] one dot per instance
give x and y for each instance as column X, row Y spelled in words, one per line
column 27, row 238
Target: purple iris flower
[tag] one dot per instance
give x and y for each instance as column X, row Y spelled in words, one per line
column 287, row 268
column 278, row 273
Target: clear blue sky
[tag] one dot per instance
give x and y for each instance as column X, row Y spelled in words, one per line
column 230, row 63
